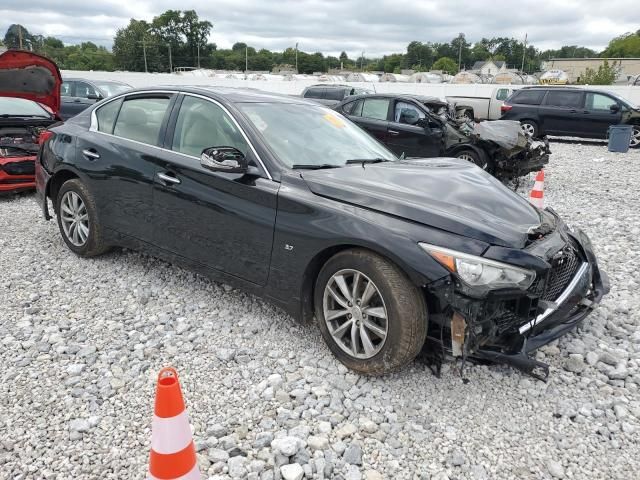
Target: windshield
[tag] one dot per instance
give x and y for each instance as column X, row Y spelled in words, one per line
column 310, row 135
column 20, row 107
column 111, row 89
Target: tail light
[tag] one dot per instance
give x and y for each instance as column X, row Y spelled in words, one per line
column 44, row 136
column 505, row 108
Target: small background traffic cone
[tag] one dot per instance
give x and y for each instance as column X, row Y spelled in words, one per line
column 173, row 454
column 536, row 197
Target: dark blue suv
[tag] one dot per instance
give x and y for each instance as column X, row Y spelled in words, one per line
column 571, row 112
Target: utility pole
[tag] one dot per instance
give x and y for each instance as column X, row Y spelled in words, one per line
column 20, row 36
column 460, row 38
column 524, row 52
column 144, row 52
column 362, row 62
column 246, row 59
column 170, row 63
column 297, row 57
column 198, row 54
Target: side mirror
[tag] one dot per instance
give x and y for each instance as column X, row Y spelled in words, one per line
column 94, row 96
column 614, row 108
column 224, row 159
column 424, row 123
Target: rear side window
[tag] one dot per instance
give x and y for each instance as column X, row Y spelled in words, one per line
column 335, row 94
column 597, row 101
column 528, row 97
column 140, row 119
column 376, row 108
column 66, row 89
column 355, row 108
column 502, row 94
column 106, row 116
column 314, row 92
column 566, row 99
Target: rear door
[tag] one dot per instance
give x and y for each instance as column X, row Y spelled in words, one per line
column 120, row 154
column 224, row 221
column 598, row 115
column 372, row 114
column 406, row 136
column 562, row 112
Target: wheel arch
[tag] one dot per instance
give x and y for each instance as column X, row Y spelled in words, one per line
column 56, row 182
column 307, row 288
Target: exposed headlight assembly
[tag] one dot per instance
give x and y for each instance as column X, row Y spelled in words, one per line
column 481, row 272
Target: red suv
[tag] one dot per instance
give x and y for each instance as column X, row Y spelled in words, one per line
column 29, row 103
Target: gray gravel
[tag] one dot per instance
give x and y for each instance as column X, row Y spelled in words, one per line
column 82, row 341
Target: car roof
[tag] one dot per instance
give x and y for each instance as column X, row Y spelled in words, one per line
column 89, row 80
column 230, row 95
column 401, row 96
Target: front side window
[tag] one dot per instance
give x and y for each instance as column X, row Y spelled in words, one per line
column 565, row 99
column 84, row 90
column 407, row 113
column 312, row 135
column 597, row 101
column 106, row 116
column 376, row 108
column 140, row 119
column 202, row 124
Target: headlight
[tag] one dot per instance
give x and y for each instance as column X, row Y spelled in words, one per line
column 480, row 272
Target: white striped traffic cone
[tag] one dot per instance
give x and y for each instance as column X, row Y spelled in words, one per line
column 173, row 455
column 536, row 197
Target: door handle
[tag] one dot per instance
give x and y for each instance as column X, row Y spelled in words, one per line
column 91, row 154
column 166, row 178
column 77, row 100
column 393, row 132
column 573, row 111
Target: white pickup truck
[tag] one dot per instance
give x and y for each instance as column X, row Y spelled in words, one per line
column 484, row 108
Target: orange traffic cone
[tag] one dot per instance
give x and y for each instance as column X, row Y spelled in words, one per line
column 536, row 197
column 173, row 455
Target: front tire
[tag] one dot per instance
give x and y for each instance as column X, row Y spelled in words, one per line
column 635, row 137
column 473, row 157
column 371, row 316
column 78, row 220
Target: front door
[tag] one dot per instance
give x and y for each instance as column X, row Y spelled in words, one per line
column 372, row 115
column 224, row 221
column 409, row 132
column 598, row 114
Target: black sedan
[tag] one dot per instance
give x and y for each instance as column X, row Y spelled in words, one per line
column 80, row 93
column 417, row 126
column 289, row 200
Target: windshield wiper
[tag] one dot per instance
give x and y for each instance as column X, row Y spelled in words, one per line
column 367, row 160
column 314, row 166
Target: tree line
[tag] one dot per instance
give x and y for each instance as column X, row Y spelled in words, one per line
column 180, row 39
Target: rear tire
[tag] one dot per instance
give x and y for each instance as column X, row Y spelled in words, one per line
column 529, row 127
column 374, row 324
column 78, row 219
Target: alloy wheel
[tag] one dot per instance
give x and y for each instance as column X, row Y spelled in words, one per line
column 355, row 313
column 470, row 158
column 74, row 218
column 635, row 137
column 528, row 129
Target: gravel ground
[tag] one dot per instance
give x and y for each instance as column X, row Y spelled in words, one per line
column 82, row 341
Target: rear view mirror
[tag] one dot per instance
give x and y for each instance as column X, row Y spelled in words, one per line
column 614, row 108
column 224, row 159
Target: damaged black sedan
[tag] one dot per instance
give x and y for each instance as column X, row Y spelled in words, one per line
column 417, row 126
column 289, row 200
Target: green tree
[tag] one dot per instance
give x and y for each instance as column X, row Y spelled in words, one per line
column 18, row 37
column 446, row 64
column 627, row 45
column 604, row 75
column 129, row 46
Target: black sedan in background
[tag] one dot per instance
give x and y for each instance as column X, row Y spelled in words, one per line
column 79, row 93
column 289, row 200
column 418, row 126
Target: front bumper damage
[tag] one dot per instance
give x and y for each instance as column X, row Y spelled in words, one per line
column 508, row 326
column 17, row 174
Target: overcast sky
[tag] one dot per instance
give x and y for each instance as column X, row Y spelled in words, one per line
column 375, row 26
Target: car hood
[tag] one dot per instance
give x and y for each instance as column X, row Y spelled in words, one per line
column 444, row 193
column 30, row 76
